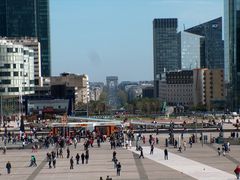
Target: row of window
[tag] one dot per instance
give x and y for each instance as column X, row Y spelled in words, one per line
column 8, row 66
column 15, row 74
column 16, row 89
column 19, row 50
column 8, row 81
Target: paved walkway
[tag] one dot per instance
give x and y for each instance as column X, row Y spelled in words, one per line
column 186, row 166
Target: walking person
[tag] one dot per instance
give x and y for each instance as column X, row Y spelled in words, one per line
column 118, row 168
column 34, row 162
column 86, row 157
column 237, row 171
column 141, row 153
column 82, row 158
column 60, row 153
column 54, row 161
column 219, row 151
column 152, row 147
column 8, row 167
column 165, row 154
column 114, row 155
column 77, row 158
column 71, row 163
column 68, row 152
column 50, row 162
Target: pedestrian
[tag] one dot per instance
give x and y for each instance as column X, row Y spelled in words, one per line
column 237, row 171
column 8, row 167
column 82, row 158
column 165, row 154
column 98, row 141
column 190, row 142
column 166, row 142
column 50, row 162
column 71, row 163
column 141, row 153
column 68, row 152
column 114, row 155
column 223, row 150
column 4, row 149
column 118, row 169
column 61, row 153
column 75, row 143
column 219, row 151
column 144, row 139
column 157, row 140
column 115, row 163
column 33, row 159
column 152, row 147
column 180, row 149
column 77, row 158
column 228, row 146
column 86, row 157
column 54, row 162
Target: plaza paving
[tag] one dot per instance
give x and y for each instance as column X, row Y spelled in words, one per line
column 150, row 168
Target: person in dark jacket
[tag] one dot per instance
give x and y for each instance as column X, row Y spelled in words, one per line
column 71, row 163
column 77, row 158
column 8, row 167
column 165, row 154
column 82, row 157
column 118, row 168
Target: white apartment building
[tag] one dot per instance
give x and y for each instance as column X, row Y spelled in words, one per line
column 34, row 44
column 16, row 69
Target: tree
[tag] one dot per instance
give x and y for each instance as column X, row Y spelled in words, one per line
column 122, row 96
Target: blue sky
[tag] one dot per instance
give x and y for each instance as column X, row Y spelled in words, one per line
column 114, row 37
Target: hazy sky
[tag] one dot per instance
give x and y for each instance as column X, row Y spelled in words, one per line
column 114, row 37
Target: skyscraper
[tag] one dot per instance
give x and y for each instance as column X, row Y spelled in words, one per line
column 165, row 48
column 190, row 50
column 21, row 18
column 214, row 51
column 232, row 52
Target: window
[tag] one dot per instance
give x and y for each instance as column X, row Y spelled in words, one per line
column 13, row 89
column 9, row 50
column 2, row 89
column 14, row 66
column 32, row 81
column 15, row 73
column 5, row 74
column 7, row 66
column 5, row 81
column 25, row 52
column 21, row 66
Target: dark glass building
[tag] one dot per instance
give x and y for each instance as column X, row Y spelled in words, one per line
column 165, row 48
column 21, row 18
column 214, row 45
column 232, row 53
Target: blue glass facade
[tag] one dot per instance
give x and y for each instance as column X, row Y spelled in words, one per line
column 232, row 52
column 214, row 45
column 21, row 18
column 165, row 48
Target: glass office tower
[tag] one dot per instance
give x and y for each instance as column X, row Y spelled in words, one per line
column 21, row 18
column 214, row 51
column 165, row 48
column 232, row 52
